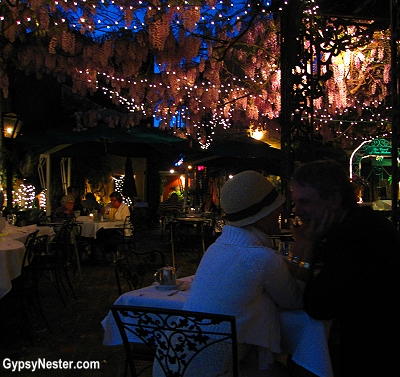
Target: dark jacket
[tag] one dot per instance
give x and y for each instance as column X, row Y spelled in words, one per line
column 359, row 287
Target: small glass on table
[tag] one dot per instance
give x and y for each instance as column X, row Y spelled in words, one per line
column 12, row 219
column 285, row 249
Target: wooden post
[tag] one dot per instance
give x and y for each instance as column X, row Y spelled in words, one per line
column 395, row 79
column 289, row 31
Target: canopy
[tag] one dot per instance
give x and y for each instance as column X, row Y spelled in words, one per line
column 101, row 140
column 245, row 147
column 239, row 154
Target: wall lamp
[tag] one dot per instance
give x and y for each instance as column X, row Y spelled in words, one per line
column 11, row 125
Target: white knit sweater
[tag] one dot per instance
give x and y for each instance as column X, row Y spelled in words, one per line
column 239, row 275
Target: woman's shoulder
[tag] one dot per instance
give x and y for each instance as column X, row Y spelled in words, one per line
column 59, row 209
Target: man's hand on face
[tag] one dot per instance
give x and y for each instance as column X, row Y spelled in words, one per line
column 315, row 229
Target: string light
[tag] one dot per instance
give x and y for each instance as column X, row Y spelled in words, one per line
column 24, row 196
column 172, row 89
column 119, row 185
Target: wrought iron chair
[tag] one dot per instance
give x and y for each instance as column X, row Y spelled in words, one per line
column 51, row 260
column 131, row 266
column 129, row 240
column 30, row 239
column 80, row 245
column 116, row 240
column 181, row 343
column 24, row 292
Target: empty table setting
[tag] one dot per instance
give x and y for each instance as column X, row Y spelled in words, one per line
column 11, row 256
column 153, row 296
column 20, row 233
column 90, row 226
column 302, row 337
column 12, row 251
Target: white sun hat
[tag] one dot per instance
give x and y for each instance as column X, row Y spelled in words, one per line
column 248, row 197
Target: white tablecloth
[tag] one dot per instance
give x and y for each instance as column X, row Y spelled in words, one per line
column 11, row 256
column 20, row 233
column 90, row 227
column 304, row 338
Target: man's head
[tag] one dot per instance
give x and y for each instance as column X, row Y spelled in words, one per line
column 90, row 196
column 116, row 199
column 73, row 190
column 173, row 198
column 321, row 186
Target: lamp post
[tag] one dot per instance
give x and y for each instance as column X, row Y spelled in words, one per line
column 11, row 127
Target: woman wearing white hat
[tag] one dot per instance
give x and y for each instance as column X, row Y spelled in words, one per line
column 241, row 275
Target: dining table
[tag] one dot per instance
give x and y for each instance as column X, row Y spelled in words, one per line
column 20, row 233
column 11, row 257
column 12, row 250
column 87, row 226
column 303, row 337
column 90, row 226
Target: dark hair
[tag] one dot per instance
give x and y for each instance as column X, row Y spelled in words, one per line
column 327, row 177
column 71, row 188
column 116, row 195
column 89, row 195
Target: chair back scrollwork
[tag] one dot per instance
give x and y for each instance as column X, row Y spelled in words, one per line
column 185, row 343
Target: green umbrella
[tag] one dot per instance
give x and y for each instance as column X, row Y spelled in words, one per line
column 129, row 186
column 104, row 140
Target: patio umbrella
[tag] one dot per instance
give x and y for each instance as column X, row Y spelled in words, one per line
column 244, row 147
column 103, row 140
column 129, row 187
column 239, row 154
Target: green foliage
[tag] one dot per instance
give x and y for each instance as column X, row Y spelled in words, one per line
column 36, row 215
column 30, row 216
column 179, row 193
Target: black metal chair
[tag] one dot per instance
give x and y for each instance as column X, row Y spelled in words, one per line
column 51, row 260
column 30, row 239
column 24, row 292
column 129, row 240
column 131, row 266
column 111, row 241
column 82, row 247
column 181, row 343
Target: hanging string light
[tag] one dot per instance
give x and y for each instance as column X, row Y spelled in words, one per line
column 106, row 46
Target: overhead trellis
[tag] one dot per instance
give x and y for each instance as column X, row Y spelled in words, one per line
column 197, row 60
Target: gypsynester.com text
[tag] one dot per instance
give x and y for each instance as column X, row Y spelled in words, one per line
column 43, row 364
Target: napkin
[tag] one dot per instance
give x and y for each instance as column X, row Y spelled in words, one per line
column 185, row 284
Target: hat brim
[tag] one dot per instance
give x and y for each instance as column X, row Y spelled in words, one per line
column 265, row 211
